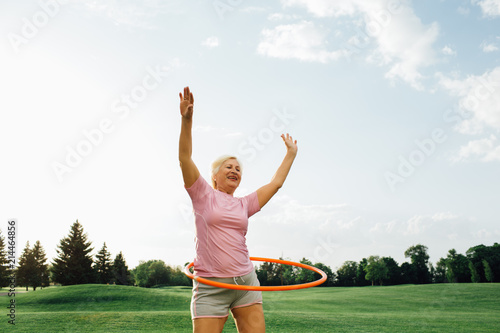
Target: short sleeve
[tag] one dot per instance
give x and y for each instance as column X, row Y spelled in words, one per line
column 252, row 203
column 199, row 190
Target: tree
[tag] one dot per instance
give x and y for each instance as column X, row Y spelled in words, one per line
column 346, row 274
column 305, row 275
column 330, row 275
column 361, row 273
column 102, row 266
column 270, row 273
column 140, row 273
column 120, row 271
column 291, row 274
column 42, row 270
column 419, row 260
column 32, row 270
column 159, row 274
column 491, row 254
column 277, row 274
column 273, row 274
column 178, row 278
column 394, row 271
column 457, row 266
column 474, row 274
column 26, row 272
column 408, row 273
column 151, row 273
column 440, row 272
column 4, row 267
column 488, row 273
column 432, row 272
column 376, row 270
column 450, row 274
column 74, row 262
column 262, row 273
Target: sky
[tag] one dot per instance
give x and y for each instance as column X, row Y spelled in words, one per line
column 395, row 106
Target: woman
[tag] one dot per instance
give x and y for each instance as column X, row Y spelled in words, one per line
column 221, row 225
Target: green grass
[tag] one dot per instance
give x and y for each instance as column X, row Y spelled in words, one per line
column 408, row 308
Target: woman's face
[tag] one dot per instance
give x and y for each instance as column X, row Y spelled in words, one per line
column 229, row 176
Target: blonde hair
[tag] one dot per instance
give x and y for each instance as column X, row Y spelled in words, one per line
column 217, row 164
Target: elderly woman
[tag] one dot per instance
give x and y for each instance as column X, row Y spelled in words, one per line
column 221, row 225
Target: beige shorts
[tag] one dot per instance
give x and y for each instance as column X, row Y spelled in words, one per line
column 214, row 302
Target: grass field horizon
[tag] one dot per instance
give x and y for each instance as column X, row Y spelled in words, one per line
column 404, row 308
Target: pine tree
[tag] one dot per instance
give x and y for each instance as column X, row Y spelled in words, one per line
column 26, row 272
column 74, row 263
column 102, row 266
column 121, row 273
column 4, row 267
column 42, row 271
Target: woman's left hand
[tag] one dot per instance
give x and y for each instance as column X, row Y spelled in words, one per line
column 291, row 145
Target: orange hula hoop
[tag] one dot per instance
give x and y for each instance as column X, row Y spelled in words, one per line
column 262, row 288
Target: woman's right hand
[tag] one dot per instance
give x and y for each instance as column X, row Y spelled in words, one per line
column 187, row 102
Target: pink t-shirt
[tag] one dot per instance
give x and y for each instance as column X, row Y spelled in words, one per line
column 221, row 226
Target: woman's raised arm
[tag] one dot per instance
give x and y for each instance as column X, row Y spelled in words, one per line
column 266, row 192
column 190, row 172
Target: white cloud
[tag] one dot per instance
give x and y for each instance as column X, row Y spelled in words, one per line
column 482, row 234
column 384, row 227
column 489, row 47
column 406, row 45
column 435, row 225
column 325, row 8
column 447, row 50
column 489, row 7
column 487, row 150
column 416, row 225
column 479, row 98
column 129, row 12
column 402, row 41
column 281, row 17
column 211, row 42
column 301, row 41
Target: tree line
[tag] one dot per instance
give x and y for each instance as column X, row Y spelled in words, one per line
column 74, row 264
column 479, row 264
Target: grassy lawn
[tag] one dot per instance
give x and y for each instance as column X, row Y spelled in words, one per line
column 408, row 308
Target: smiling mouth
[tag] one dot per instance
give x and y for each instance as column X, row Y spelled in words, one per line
column 232, row 178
